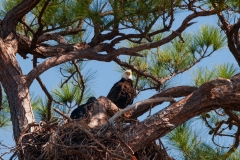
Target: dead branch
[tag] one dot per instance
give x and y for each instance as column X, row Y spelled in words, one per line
column 135, row 107
column 62, row 114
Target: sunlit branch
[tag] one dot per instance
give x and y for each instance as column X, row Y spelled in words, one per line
column 56, row 37
column 136, row 105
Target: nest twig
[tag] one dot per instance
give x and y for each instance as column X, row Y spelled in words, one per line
column 75, row 140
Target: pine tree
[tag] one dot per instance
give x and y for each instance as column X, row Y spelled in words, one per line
column 136, row 35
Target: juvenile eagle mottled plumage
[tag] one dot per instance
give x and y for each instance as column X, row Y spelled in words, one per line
column 122, row 93
column 83, row 110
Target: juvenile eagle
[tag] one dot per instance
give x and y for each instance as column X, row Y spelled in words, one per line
column 122, row 93
column 83, row 110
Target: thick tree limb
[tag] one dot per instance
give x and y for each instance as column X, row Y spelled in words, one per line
column 61, row 57
column 64, row 53
column 175, row 92
column 219, row 93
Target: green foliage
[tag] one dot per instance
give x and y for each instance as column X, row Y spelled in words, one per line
column 58, row 16
column 142, row 14
column 221, row 4
column 179, row 56
column 7, row 5
column 189, row 143
column 203, row 75
column 5, row 119
column 73, row 91
column 66, row 94
column 225, row 70
column 61, row 13
column 40, row 108
column 234, row 4
column 79, row 82
column 209, row 36
column 174, row 58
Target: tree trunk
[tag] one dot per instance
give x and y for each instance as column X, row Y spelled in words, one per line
column 14, row 84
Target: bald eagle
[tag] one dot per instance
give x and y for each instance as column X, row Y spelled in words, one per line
column 83, row 110
column 122, row 93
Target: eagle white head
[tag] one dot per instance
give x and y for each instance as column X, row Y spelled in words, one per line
column 127, row 74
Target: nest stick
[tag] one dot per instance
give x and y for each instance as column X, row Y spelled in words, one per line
column 62, row 114
column 105, row 148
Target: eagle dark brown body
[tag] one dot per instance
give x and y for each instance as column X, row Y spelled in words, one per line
column 84, row 110
column 122, row 93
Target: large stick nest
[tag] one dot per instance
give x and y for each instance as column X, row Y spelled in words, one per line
column 77, row 141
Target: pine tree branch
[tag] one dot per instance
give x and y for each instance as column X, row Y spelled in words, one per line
column 134, row 68
column 136, row 105
column 62, row 114
column 218, row 93
column 15, row 15
column 175, row 92
column 233, row 36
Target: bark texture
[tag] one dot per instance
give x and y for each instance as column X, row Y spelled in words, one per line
column 218, row 93
column 14, row 84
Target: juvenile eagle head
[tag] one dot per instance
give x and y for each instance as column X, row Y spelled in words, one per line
column 127, row 74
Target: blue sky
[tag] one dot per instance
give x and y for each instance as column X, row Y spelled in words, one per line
column 107, row 75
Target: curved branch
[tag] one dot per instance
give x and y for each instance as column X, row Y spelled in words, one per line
column 15, row 15
column 137, row 105
column 174, row 92
column 232, row 34
column 81, row 52
column 48, row 36
column 218, row 93
column 186, row 23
